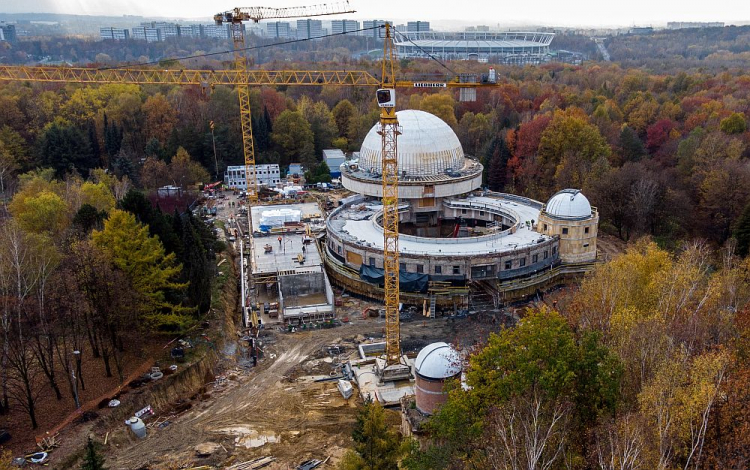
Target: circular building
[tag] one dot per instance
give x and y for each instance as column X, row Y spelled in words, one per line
column 569, row 216
column 452, row 238
column 435, row 363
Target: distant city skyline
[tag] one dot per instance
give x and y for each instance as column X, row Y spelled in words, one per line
column 443, row 14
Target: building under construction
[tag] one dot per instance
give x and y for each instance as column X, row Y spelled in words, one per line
column 456, row 244
column 285, row 266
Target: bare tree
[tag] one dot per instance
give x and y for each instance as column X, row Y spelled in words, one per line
column 527, row 433
column 620, row 444
column 24, row 262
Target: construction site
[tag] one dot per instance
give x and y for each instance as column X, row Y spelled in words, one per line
column 415, row 266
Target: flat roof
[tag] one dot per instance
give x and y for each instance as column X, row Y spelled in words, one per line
column 358, row 225
column 472, row 44
column 283, row 257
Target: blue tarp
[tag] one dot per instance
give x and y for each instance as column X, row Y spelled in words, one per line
column 409, row 282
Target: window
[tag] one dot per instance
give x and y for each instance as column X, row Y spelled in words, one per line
column 420, row 268
column 545, row 227
column 508, row 264
column 565, row 231
column 463, row 211
column 456, row 269
column 438, row 269
column 586, row 230
column 535, row 258
column 554, row 250
column 338, row 248
column 585, row 245
column 522, row 262
column 372, row 261
column 481, row 212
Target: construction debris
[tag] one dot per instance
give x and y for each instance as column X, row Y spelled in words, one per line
column 206, row 449
column 252, row 464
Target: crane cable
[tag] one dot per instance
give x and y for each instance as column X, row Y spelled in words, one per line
column 231, row 51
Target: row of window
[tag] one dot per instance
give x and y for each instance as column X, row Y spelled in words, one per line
column 565, row 230
column 457, row 269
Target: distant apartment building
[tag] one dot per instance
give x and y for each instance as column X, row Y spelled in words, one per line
column 267, row 175
column 344, row 26
column 417, row 26
column 279, row 29
column 693, row 24
column 191, row 31
column 309, row 29
column 478, row 28
column 8, row 32
column 147, row 34
column 114, row 34
column 373, row 28
column 216, row 31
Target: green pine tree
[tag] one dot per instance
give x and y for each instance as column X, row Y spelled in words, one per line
column 92, row 460
column 376, row 445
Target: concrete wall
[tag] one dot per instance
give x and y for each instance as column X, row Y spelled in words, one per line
column 522, row 260
column 577, row 236
column 429, row 394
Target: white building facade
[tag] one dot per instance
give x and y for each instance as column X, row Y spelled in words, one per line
column 267, row 175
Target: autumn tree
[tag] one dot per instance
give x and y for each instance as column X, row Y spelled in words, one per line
column 441, row 105
column 293, row 135
column 532, row 380
column 571, row 150
column 151, row 272
column 160, row 117
column 734, row 124
column 184, row 171
column 322, row 123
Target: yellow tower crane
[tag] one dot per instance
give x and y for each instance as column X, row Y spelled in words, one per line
column 242, row 78
column 235, row 19
column 389, row 132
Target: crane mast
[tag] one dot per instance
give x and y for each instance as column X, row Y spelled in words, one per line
column 235, row 18
column 389, row 131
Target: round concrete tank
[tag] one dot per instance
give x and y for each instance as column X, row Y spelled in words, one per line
column 435, row 364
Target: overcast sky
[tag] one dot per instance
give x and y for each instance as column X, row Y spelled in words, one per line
column 441, row 12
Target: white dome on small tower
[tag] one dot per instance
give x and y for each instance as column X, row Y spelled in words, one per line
column 568, row 204
column 438, row 361
column 426, row 147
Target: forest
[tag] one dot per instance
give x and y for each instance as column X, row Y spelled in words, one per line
column 646, row 366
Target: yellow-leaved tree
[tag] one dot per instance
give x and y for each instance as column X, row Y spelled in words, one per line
column 152, row 272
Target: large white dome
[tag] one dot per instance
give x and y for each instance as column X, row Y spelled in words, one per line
column 438, row 361
column 426, row 147
column 569, row 204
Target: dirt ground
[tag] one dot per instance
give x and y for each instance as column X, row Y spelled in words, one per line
column 50, row 412
column 277, row 408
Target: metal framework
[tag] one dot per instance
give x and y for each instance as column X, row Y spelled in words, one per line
column 389, row 130
column 235, row 18
column 255, row 14
column 188, row 77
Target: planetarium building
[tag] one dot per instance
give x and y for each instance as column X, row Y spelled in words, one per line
column 453, row 237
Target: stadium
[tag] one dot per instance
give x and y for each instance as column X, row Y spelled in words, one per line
column 503, row 48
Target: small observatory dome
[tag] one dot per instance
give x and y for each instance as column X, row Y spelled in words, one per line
column 426, row 147
column 568, row 204
column 436, row 363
